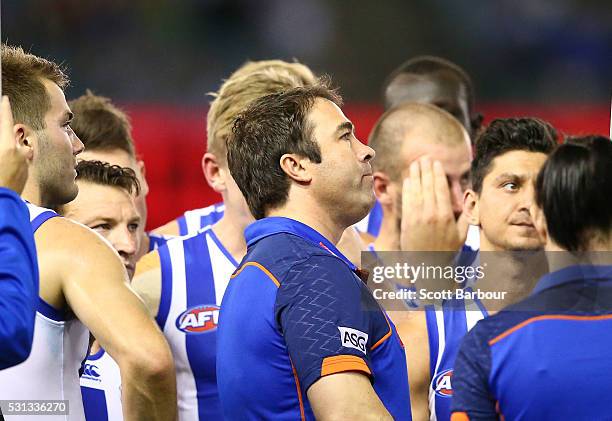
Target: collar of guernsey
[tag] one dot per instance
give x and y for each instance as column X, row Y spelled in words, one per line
column 277, row 224
column 573, row 274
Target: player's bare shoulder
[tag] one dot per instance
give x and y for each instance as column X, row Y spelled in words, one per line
column 67, row 249
column 171, row 228
column 147, row 281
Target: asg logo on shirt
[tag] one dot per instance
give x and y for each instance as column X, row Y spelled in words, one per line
column 199, row 319
column 353, row 338
column 90, row 370
column 442, row 384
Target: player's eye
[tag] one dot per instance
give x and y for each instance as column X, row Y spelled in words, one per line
column 101, row 227
column 510, row 186
column 346, row 136
column 133, row 227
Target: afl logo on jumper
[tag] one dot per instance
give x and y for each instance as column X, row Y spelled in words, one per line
column 442, row 384
column 199, row 319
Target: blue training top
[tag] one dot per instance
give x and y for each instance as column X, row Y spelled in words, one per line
column 546, row 357
column 18, row 280
column 295, row 311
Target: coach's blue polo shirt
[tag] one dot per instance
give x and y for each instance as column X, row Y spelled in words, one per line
column 546, row 358
column 295, row 311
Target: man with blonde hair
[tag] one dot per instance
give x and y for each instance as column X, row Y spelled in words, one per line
column 183, row 282
column 252, row 80
column 83, row 285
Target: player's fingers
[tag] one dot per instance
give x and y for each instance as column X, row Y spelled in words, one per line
column 441, row 190
column 427, row 185
column 7, row 139
column 407, row 202
column 414, row 186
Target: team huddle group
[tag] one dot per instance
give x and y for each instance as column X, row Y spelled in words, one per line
column 258, row 307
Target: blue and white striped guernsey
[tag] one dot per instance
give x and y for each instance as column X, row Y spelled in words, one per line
column 195, row 273
column 101, row 388
column 447, row 324
column 60, row 344
column 197, row 220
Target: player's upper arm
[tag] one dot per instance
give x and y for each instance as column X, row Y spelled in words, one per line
column 412, row 329
column 471, row 393
column 171, row 228
column 94, row 283
column 147, row 281
column 346, row 396
column 317, row 301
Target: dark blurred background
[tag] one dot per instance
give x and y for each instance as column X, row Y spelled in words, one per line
column 159, row 58
column 175, row 51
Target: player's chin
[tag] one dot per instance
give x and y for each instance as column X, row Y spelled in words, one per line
column 526, row 243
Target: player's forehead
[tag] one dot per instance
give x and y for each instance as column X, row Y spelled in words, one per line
column 455, row 157
column 103, row 200
column 519, row 164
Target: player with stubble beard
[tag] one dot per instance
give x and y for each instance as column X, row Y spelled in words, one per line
column 83, row 284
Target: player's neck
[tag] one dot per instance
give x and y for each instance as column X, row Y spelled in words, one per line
column 515, row 273
column 230, row 232
column 389, row 236
column 31, row 193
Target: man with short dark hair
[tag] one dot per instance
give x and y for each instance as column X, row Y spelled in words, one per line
column 548, row 356
column 509, row 154
column 77, row 295
column 106, row 204
column 183, row 282
column 106, row 133
column 302, row 336
column 436, row 81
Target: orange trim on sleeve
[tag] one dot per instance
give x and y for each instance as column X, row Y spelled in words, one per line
column 342, row 363
column 384, row 338
column 299, row 392
column 260, row 267
column 460, row 416
column 547, row 317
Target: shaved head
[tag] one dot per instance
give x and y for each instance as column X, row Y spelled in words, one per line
column 413, row 127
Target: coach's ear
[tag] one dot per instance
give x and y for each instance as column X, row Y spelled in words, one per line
column 296, row 167
column 213, row 172
column 470, row 207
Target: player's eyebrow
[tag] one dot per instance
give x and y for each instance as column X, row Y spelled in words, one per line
column 509, row 176
column 347, row 125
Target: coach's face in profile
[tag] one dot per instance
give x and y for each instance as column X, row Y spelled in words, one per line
column 343, row 180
